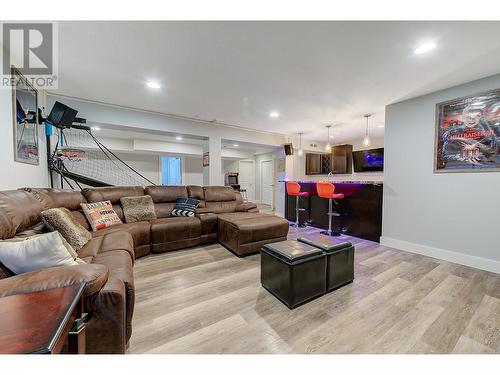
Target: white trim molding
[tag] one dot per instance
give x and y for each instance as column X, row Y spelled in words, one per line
column 450, row 256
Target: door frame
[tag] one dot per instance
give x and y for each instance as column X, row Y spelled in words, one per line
column 253, row 172
column 273, row 179
column 160, row 168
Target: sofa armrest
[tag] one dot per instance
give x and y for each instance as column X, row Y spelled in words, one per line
column 107, row 330
column 203, row 211
column 93, row 275
column 246, row 207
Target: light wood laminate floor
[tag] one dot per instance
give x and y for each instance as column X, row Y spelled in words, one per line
column 207, row 300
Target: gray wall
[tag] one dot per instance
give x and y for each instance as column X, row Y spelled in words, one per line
column 452, row 216
column 193, row 171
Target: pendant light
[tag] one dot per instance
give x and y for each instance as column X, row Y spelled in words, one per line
column 300, row 145
column 328, row 147
column 366, row 140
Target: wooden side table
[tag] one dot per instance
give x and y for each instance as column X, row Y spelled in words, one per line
column 40, row 322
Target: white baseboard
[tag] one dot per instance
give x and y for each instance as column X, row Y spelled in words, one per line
column 450, row 256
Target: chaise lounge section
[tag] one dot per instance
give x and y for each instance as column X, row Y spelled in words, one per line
column 110, row 254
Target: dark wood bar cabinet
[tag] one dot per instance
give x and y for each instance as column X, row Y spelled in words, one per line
column 361, row 208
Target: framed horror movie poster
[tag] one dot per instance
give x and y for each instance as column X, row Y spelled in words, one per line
column 468, row 134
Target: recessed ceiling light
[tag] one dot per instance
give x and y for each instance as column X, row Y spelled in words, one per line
column 274, row 114
column 96, row 128
column 153, row 85
column 424, row 48
column 178, row 138
column 235, row 145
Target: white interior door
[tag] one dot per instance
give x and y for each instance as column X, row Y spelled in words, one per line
column 247, row 177
column 266, row 182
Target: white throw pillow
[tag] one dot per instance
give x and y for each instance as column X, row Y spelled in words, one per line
column 21, row 255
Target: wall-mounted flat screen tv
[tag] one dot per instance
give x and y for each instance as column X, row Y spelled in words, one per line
column 369, row 160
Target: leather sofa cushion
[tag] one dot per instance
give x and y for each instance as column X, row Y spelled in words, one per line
column 238, row 216
column 245, row 207
column 19, row 210
column 195, row 191
column 111, row 193
column 166, row 194
column 219, row 194
column 54, row 198
column 208, row 223
column 174, row 228
column 221, row 207
column 107, row 332
column 120, row 267
column 93, row 275
column 140, row 231
column 119, row 240
column 163, row 209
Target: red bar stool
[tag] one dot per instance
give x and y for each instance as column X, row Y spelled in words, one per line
column 293, row 189
column 327, row 190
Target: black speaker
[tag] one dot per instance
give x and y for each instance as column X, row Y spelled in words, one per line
column 288, row 149
column 61, row 115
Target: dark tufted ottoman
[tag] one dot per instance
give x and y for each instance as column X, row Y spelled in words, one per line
column 293, row 272
column 339, row 259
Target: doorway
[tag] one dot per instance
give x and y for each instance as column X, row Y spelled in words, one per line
column 247, row 177
column 171, row 170
column 266, row 182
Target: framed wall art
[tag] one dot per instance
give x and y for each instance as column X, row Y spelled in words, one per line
column 206, row 159
column 468, row 134
column 25, row 120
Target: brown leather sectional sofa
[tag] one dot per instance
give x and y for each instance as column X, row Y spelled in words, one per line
column 222, row 216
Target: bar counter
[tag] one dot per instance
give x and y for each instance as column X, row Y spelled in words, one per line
column 361, row 208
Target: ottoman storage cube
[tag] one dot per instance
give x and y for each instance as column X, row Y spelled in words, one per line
column 339, row 259
column 293, row 272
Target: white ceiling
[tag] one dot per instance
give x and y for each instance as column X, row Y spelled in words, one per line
column 313, row 73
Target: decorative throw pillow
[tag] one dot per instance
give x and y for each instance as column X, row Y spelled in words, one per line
column 61, row 220
column 185, row 207
column 139, row 208
column 100, row 215
column 21, row 255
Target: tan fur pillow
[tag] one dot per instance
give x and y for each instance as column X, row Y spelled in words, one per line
column 139, row 208
column 61, row 220
column 100, row 215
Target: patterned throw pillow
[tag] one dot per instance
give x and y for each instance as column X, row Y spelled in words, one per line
column 100, row 215
column 139, row 208
column 185, row 207
column 61, row 220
